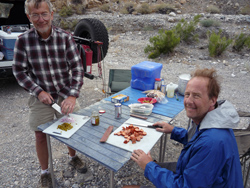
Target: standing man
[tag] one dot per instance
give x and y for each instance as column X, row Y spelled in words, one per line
column 48, row 65
column 210, row 155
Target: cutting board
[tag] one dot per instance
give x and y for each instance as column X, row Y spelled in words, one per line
column 145, row 144
column 79, row 121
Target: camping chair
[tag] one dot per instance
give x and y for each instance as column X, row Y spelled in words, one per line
column 119, row 79
column 243, row 141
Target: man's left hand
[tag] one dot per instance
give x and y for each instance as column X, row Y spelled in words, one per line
column 68, row 105
column 141, row 158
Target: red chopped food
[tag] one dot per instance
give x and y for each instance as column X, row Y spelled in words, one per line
column 131, row 132
column 126, row 141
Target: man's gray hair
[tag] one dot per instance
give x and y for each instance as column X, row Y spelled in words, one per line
column 37, row 4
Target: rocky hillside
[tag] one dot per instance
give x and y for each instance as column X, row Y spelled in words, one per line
column 183, row 6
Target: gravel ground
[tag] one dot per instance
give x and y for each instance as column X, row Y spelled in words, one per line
column 18, row 161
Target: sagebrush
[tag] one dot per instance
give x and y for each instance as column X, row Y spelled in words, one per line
column 217, row 44
column 163, row 43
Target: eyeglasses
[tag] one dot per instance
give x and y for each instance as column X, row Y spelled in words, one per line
column 45, row 16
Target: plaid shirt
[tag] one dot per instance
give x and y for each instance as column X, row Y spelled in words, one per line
column 52, row 65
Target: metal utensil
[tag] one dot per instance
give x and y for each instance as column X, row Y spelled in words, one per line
column 143, row 125
column 56, row 107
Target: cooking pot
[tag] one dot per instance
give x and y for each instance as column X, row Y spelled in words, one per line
column 183, row 80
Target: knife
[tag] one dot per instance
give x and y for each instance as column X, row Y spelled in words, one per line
column 56, row 107
column 143, row 125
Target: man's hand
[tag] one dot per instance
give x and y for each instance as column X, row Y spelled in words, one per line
column 141, row 158
column 45, row 97
column 166, row 128
column 68, row 105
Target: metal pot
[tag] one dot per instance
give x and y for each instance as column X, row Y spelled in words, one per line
column 183, row 80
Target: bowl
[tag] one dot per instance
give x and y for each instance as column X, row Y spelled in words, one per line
column 148, row 100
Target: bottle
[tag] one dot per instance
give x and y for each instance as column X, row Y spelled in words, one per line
column 163, row 89
column 170, row 90
column 95, row 118
column 157, row 84
column 162, row 81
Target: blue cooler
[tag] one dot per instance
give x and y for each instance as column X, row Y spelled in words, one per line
column 7, row 44
column 143, row 75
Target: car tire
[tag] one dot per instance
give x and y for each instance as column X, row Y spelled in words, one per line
column 90, row 28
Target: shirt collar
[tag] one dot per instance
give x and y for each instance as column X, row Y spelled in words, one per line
column 47, row 39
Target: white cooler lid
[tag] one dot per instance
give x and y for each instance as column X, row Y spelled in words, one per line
column 13, row 35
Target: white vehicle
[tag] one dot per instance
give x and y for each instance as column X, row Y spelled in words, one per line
column 13, row 21
column 89, row 34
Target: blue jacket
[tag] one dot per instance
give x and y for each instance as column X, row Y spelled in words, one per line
column 209, row 159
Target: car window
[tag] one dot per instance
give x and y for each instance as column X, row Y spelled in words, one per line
column 5, row 9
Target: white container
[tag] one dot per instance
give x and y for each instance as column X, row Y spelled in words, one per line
column 170, row 90
column 8, row 42
column 1, row 56
column 142, row 109
column 183, row 80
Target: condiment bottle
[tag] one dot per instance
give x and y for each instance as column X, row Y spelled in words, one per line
column 95, row 118
column 170, row 90
column 157, row 84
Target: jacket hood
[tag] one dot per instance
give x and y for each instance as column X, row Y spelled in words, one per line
column 224, row 116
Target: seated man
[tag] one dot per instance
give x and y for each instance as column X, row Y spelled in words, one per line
column 210, row 155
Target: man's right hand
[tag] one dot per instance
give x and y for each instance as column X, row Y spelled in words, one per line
column 45, row 97
column 166, row 128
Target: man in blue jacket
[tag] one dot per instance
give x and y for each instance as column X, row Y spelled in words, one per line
column 210, row 155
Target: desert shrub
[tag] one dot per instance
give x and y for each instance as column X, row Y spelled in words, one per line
column 115, row 1
column 105, row 8
column 148, row 28
column 76, row 1
column 217, row 44
column 245, row 10
column 78, row 9
column 240, row 41
column 185, row 29
column 144, row 9
column 163, row 8
column 247, row 43
column 213, row 9
column 167, row 40
column 164, row 43
column 64, row 24
column 73, row 24
column 66, row 11
column 68, row 25
column 128, row 8
column 209, row 23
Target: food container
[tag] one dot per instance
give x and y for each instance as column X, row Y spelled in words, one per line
column 120, row 98
column 183, row 80
column 157, row 84
column 95, row 118
column 143, row 75
column 142, row 109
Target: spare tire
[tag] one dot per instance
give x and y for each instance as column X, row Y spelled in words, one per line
column 90, row 28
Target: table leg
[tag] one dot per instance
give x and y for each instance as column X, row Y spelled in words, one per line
column 160, row 155
column 50, row 161
column 164, row 146
column 112, row 179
